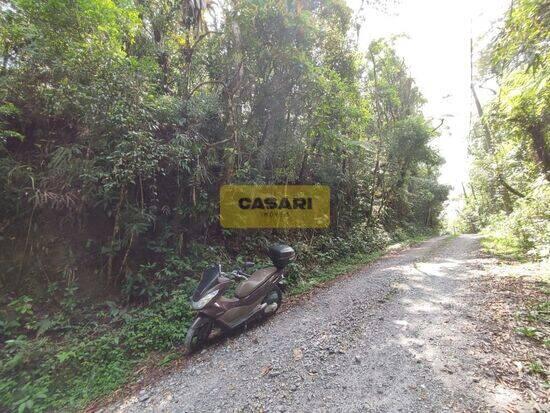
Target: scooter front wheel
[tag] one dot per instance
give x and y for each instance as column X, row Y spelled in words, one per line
column 198, row 334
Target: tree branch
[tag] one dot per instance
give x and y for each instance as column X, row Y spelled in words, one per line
column 442, row 121
column 217, row 143
column 509, row 187
column 207, row 82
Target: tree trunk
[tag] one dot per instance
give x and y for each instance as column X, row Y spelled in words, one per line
column 540, row 147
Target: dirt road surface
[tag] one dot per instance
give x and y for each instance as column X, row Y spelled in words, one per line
column 397, row 336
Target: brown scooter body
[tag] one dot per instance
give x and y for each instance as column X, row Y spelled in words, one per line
column 256, row 296
column 232, row 312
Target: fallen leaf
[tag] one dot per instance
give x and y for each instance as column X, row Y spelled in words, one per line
column 298, row 354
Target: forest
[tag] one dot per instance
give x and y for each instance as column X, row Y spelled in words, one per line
column 121, row 119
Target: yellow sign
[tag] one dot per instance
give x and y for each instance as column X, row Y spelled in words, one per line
column 275, row 206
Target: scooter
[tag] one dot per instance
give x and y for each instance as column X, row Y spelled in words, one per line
column 257, row 296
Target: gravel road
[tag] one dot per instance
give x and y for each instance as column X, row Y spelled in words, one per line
column 398, row 336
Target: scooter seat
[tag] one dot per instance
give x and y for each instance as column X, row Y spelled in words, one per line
column 254, row 281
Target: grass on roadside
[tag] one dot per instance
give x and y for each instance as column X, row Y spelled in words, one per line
column 332, row 271
column 347, row 265
column 503, row 248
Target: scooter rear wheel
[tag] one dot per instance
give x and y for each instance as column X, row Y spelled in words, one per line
column 273, row 300
column 198, row 334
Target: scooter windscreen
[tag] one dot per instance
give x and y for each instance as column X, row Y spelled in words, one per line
column 208, row 280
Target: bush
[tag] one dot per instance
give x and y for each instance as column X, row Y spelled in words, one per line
column 526, row 230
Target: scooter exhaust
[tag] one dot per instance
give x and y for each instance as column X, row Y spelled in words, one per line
column 270, row 308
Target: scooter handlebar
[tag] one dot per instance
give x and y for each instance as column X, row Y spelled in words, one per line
column 236, row 274
column 241, row 275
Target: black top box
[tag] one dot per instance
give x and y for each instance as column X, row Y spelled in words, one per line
column 281, row 255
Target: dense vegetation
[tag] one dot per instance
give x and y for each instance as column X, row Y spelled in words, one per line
column 119, row 122
column 509, row 191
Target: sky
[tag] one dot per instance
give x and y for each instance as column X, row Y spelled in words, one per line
column 437, row 51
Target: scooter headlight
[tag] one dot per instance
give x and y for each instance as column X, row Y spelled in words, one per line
column 197, row 305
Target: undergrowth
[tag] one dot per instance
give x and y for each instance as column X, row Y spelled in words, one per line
column 502, row 247
column 523, row 234
column 346, row 265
